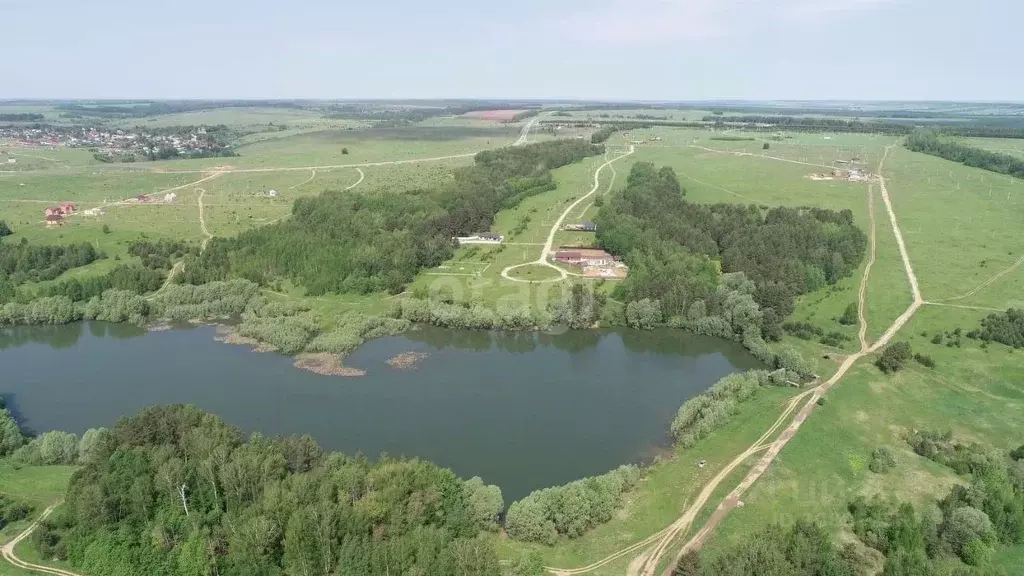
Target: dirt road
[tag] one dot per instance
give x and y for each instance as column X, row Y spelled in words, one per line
column 542, row 260
column 658, row 545
column 8, row 550
column 202, row 219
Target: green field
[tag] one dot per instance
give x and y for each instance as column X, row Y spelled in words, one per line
column 961, row 226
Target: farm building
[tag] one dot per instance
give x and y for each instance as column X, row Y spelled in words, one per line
column 584, row 227
column 54, row 219
column 12, row 160
column 94, row 212
column 62, row 209
column 170, row 197
column 595, row 263
column 481, row 238
column 272, row 193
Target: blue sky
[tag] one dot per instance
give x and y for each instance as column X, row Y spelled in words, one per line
column 589, row 49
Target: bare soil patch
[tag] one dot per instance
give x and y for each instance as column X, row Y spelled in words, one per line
column 229, row 336
column 406, row 360
column 326, row 364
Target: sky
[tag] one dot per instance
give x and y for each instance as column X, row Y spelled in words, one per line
column 572, row 49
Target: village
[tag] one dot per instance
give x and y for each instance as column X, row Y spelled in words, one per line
column 120, row 145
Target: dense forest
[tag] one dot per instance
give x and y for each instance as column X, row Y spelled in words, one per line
column 361, row 243
column 677, row 250
column 175, row 491
column 23, row 262
column 931, row 142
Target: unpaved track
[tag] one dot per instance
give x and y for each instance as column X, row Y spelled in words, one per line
column 202, row 219
column 862, row 294
column 9, row 555
column 736, row 153
column 647, row 562
column 775, row 447
column 542, row 260
column 306, row 181
column 358, row 182
column 984, row 284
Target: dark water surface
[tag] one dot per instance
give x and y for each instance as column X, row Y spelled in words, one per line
column 523, row 411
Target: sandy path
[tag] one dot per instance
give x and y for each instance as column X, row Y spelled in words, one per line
column 984, row 284
column 8, row 550
column 862, row 294
column 962, row 307
column 304, row 182
column 647, row 562
column 775, row 447
column 542, row 260
column 358, row 182
column 735, row 153
column 202, row 219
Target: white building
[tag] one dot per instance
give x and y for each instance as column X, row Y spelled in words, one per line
column 272, row 193
column 170, row 197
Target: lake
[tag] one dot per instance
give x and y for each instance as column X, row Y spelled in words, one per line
column 521, row 410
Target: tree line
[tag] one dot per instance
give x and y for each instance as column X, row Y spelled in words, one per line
column 954, row 536
column 1005, row 328
column 677, row 250
column 22, row 117
column 362, row 243
column 932, row 142
column 176, row 491
column 23, row 262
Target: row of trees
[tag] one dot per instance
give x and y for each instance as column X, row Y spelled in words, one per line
column 701, row 415
column 177, row 491
column 344, row 242
column 23, row 262
column 677, row 250
column 931, row 142
column 569, row 510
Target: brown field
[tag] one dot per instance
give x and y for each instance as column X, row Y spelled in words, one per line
column 495, row 115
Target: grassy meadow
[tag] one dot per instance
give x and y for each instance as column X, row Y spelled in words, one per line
column 961, row 226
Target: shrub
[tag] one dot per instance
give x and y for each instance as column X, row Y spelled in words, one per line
column 803, row 330
column 485, row 503
column 643, row 314
column 882, row 460
column 571, row 509
column 894, row 357
column 1018, row 454
column 11, row 437
column 699, row 416
column 849, row 317
column 12, row 510
column 835, row 339
column 924, row 360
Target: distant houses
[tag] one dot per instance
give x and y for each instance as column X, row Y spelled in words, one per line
column 170, row 197
column 62, row 209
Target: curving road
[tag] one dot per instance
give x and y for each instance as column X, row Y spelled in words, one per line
column 542, row 260
column 8, row 550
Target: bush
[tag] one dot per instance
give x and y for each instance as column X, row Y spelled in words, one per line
column 835, row 339
column 937, row 339
column 11, row 437
column 1005, row 328
column 643, row 314
column 485, row 503
column 571, row 509
column 894, row 357
column 1018, row 454
column 803, row 330
column 699, row 416
column 882, row 460
column 12, row 510
column 925, row 361
column 849, row 317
